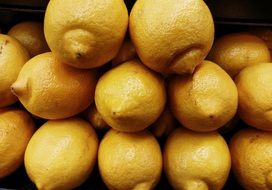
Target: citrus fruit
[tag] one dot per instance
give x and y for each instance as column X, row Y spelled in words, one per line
column 255, row 95
column 251, row 153
column 130, row 97
column 235, row 51
column 266, row 35
column 84, row 33
column 95, row 118
column 164, row 125
column 52, row 90
column 16, row 129
column 194, row 160
column 205, row 100
column 171, row 37
column 127, row 52
column 30, row 35
column 130, row 160
column 61, row 154
column 12, row 58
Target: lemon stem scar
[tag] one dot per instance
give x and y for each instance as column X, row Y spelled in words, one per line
column 78, row 42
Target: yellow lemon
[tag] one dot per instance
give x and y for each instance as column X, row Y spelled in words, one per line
column 130, row 160
column 12, row 58
column 52, row 90
column 130, row 97
column 205, row 100
column 251, row 153
column 164, row 125
column 195, row 160
column 95, row 118
column 30, row 35
column 235, row 51
column 171, row 36
column 61, row 154
column 127, row 52
column 255, row 95
column 266, row 35
column 16, row 129
column 85, row 33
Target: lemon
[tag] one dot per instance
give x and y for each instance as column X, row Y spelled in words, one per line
column 95, row 118
column 130, row 97
column 130, row 160
column 171, row 37
column 266, row 35
column 235, row 51
column 164, row 125
column 30, row 35
column 255, row 95
column 127, row 52
column 12, row 58
column 195, row 160
column 205, row 100
column 16, row 129
column 85, row 33
column 61, row 154
column 52, row 90
column 251, row 152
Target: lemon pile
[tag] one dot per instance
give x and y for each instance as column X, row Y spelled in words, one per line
column 139, row 77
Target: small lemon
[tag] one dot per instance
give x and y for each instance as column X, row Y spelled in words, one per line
column 95, row 118
column 127, row 52
column 164, row 125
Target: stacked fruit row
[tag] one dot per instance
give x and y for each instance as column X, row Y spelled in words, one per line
column 157, row 79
